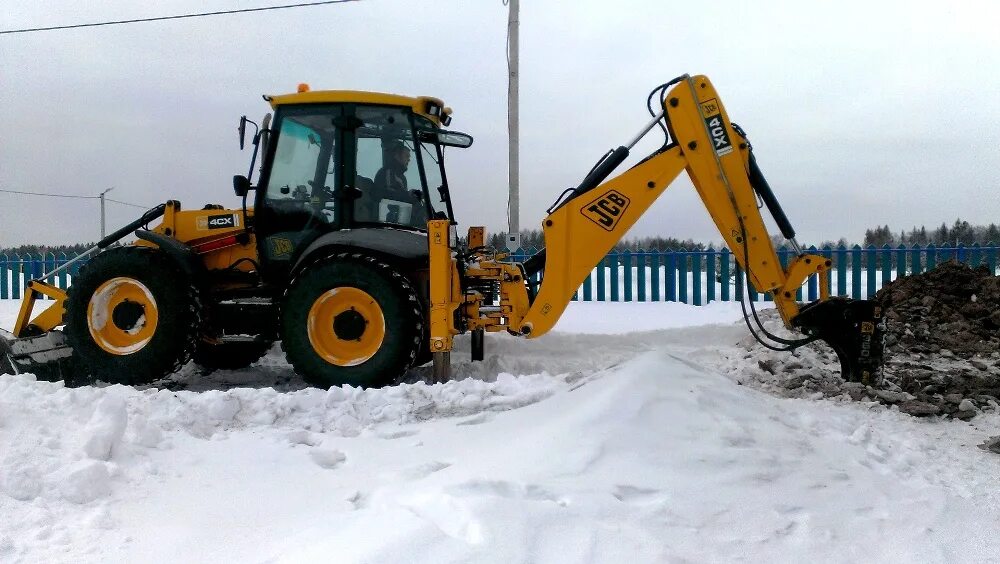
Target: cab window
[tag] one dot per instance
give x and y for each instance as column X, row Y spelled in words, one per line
column 387, row 172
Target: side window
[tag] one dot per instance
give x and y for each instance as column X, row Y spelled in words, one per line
column 304, row 166
column 294, row 162
column 387, row 172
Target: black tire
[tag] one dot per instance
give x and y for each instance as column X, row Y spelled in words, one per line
column 396, row 300
column 167, row 292
column 229, row 356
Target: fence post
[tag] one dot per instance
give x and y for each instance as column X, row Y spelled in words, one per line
column 960, row 252
column 670, row 276
column 931, row 256
column 842, row 266
column 900, row 261
column 61, row 282
column 991, row 258
column 654, row 274
column 856, row 272
column 739, row 286
column 724, row 274
column 4, row 269
column 886, row 265
column 682, row 276
column 15, row 277
column 710, row 275
column 916, row 262
column 871, row 268
column 615, row 278
column 696, row 281
column 640, row 271
column 811, row 283
column 975, row 256
column 601, row 283
column 626, row 260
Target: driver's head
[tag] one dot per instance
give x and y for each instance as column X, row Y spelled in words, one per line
column 399, row 155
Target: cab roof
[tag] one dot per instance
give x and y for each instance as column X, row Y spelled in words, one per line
column 427, row 106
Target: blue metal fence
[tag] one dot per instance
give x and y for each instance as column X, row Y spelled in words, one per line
column 700, row 276
column 17, row 270
column 694, row 277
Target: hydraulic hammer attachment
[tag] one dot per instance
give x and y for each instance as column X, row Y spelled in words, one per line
column 854, row 329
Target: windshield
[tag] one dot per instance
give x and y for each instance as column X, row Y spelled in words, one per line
column 432, row 160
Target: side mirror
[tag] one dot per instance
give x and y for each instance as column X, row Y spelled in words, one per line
column 242, row 130
column 241, row 185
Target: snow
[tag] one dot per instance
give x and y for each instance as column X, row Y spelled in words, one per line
column 592, row 444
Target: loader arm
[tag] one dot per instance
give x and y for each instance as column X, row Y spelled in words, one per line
column 585, row 226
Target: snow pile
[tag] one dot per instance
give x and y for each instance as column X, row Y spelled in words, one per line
column 65, row 447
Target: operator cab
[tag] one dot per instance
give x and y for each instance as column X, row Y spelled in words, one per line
column 344, row 160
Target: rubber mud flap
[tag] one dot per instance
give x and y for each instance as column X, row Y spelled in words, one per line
column 855, row 329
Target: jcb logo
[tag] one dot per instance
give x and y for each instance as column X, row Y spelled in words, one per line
column 716, row 127
column 606, row 210
column 281, row 247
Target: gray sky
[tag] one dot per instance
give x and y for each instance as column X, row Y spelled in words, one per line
column 861, row 113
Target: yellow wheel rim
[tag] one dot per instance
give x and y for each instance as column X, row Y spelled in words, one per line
column 346, row 326
column 122, row 316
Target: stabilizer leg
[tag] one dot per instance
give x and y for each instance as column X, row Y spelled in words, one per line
column 442, row 367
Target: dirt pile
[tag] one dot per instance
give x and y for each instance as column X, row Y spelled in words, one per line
column 942, row 349
column 943, row 340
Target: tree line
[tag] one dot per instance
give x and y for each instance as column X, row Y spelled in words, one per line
column 36, row 250
column 960, row 232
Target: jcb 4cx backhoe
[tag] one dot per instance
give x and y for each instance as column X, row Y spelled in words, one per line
column 350, row 255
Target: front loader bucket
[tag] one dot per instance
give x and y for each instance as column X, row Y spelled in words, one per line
column 855, row 329
column 47, row 356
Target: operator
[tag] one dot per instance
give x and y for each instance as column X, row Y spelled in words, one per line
column 390, row 180
column 390, row 183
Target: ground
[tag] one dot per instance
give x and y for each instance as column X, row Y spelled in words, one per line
column 635, row 432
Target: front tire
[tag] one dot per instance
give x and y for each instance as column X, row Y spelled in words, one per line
column 351, row 319
column 132, row 317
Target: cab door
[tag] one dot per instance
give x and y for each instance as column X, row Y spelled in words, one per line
column 296, row 199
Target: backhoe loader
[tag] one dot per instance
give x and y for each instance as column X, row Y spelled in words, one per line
column 350, row 255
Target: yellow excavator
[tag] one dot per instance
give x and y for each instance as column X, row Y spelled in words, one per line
column 350, row 253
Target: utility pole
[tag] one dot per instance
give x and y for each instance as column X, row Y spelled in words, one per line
column 102, row 209
column 513, row 199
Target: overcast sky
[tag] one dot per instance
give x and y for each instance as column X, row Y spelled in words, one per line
column 861, row 113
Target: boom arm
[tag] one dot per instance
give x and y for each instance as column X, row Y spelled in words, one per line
column 716, row 158
column 586, row 226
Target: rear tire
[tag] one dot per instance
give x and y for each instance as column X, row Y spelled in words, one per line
column 132, row 316
column 351, row 319
column 229, row 356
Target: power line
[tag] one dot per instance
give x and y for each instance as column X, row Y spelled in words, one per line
column 127, row 204
column 177, row 17
column 51, row 195
column 73, row 196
